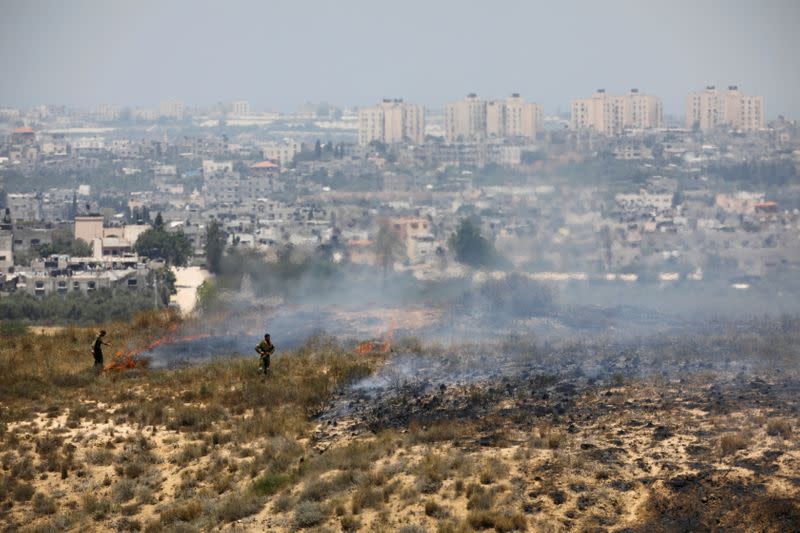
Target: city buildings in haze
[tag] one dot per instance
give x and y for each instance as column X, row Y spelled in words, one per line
column 712, row 108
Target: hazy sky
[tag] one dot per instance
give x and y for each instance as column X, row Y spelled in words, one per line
column 280, row 54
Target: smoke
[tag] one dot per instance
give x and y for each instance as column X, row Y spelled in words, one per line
column 586, row 328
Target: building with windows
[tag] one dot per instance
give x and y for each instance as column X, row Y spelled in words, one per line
column 465, row 120
column 171, row 109
column 240, row 108
column 612, row 115
column 391, row 122
column 282, row 153
column 472, row 119
column 711, row 108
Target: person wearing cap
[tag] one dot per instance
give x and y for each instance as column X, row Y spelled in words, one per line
column 97, row 350
column 265, row 349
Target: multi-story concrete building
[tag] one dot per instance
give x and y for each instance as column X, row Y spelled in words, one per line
column 611, row 115
column 711, row 108
column 466, row 120
column 6, row 243
column 240, row 108
column 513, row 117
column 390, row 122
column 171, row 109
column 25, row 207
column 282, row 153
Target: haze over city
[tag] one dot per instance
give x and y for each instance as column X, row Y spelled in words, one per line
column 281, row 54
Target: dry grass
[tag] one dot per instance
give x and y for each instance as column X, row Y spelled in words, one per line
column 779, row 426
column 734, row 442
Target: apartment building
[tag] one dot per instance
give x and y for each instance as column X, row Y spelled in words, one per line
column 392, row 121
column 466, row 120
column 513, row 117
column 171, row 109
column 240, row 108
column 282, row 153
column 612, row 114
column 712, row 108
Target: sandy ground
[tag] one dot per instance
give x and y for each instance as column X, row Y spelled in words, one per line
column 186, row 283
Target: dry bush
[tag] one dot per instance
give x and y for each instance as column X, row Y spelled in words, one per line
column 283, row 502
column 453, row 526
column 779, row 426
column 309, row 514
column 236, row 505
column 545, row 437
column 181, row 512
column 349, row 523
column 445, row 431
column 479, row 498
column 23, row 492
column 97, row 508
column 195, row 418
column 434, row 510
column 412, row 528
column 191, row 452
column 734, row 442
column 493, row 470
column 365, row 497
column 43, row 504
column 501, row 520
column 123, row 490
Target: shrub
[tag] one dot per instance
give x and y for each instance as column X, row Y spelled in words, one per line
column 96, row 507
column 99, row 456
column 181, row 512
column 499, row 520
column 309, row 514
column 23, row 492
column 412, row 528
column 479, row 498
column 734, row 442
column 43, row 504
column 269, row 484
column 365, row 497
column 779, row 426
column 434, row 510
column 350, row 523
column 123, row 490
column 237, row 505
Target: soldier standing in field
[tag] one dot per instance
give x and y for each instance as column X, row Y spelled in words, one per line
column 265, row 349
column 97, row 350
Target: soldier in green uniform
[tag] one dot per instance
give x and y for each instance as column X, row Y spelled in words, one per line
column 265, row 349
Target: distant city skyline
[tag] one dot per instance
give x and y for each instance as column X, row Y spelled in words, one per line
column 280, row 55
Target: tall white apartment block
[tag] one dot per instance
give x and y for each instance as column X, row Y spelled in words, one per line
column 392, row 121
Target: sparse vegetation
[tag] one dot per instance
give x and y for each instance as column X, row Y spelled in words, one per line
column 197, row 447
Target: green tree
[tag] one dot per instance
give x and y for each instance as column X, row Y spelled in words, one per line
column 388, row 247
column 470, row 247
column 215, row 246
column 64, row 243
column 318, row 150
column 157, row 243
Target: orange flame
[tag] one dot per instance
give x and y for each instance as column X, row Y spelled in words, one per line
column 384, row 346
column 126, row 361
